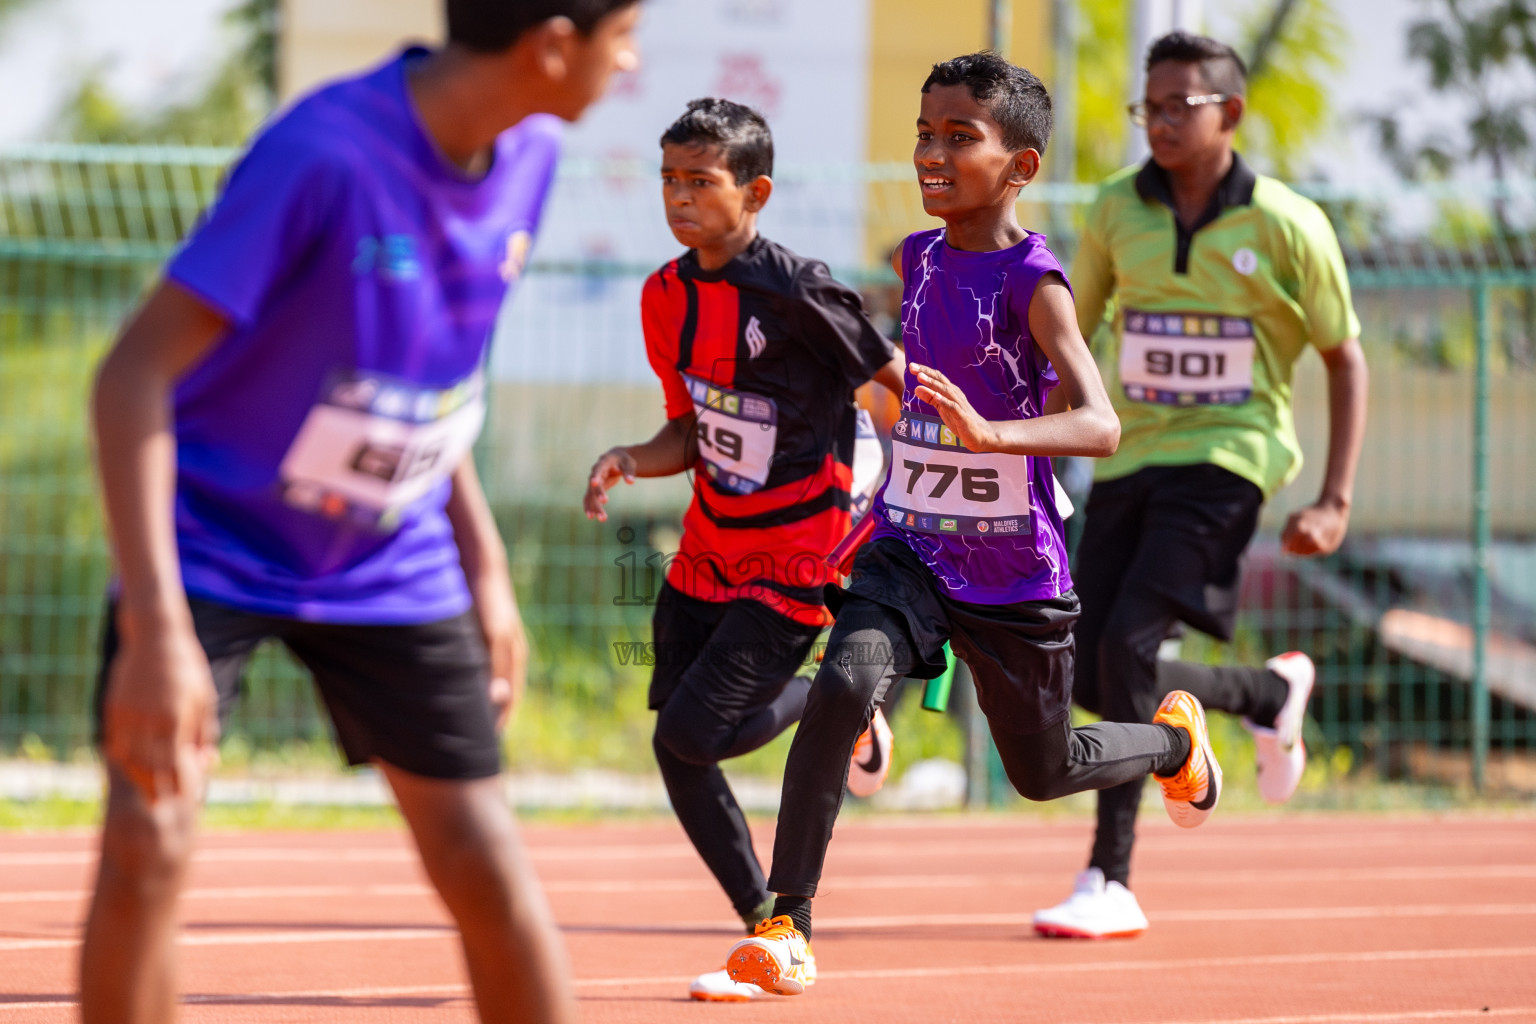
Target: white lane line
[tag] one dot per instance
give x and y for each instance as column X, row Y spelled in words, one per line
column 848, row 882
column 1399, row 1017
column 830, row 924
column 1092, row 967
column 462, row 992
column 1099, row 967
column 863, row 923
column 852, row 846
column 241, row 892
column 841, row 884
column 273, row 938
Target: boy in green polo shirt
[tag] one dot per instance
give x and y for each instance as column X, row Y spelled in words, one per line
column 1220, row 279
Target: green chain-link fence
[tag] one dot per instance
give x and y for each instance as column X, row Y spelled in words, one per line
column 1424, row 625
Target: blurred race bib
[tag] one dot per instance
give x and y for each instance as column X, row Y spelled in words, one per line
column 374, row 446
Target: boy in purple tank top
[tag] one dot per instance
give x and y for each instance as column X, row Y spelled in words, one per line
column 969, row 543
column 283, row 433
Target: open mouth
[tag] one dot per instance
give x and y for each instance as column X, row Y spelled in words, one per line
column 933, row 185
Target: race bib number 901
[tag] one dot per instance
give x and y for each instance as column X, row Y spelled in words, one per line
column 936, row 485
column 737, row 432
column 1186, row 358
column 374, row 446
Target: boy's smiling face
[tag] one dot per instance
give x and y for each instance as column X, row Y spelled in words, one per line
column 963, row 166
column 704, row 203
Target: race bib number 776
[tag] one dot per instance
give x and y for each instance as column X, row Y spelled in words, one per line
column 936, row 485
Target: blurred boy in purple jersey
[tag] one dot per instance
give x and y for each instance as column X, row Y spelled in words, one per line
column 969, row 547
column 283, row 434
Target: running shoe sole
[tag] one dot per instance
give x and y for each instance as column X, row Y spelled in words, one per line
column 753, row 964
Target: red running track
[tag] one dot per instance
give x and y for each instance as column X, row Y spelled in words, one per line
column 1269, row 920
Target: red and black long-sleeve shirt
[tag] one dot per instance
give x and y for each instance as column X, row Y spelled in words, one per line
column 767, row 352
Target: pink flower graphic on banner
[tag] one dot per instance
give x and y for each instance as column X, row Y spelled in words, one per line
column 745, row 77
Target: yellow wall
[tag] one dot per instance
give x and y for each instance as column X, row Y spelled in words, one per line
column 325, row 38
column 907, row 37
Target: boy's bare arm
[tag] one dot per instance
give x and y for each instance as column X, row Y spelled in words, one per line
column 893, row 375
column 1080, row 422
column 484, row 558
column 1319, row 528
column 159, row 723
column 674, row 449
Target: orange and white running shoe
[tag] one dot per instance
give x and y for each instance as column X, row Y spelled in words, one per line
column 1190, row 795
column 871, row 761
column 777, row 959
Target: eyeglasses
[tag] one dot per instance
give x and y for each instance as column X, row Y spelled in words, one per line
column 1175, row 111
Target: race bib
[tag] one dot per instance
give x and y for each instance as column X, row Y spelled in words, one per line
column 868, row 464
column 374, row 445
column 1186, row 358
column 938, row 486
column 737, row 434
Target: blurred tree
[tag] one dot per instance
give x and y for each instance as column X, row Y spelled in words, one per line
column 1474, row 51
column 230, row 106
column 1103, row 86
column 1292, row 46
column 1483, row 53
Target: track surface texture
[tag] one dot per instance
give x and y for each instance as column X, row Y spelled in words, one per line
column 1285, row 919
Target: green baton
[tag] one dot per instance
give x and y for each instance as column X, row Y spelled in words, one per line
column 936, row 692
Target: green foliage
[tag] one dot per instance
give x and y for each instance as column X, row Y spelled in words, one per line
column 1470, row 51
column 1301, row 43
column 1288, row 98
column 224, row 113
column 1103, row 87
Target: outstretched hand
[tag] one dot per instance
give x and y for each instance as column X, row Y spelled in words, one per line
column 612, row 466
column 976, row 433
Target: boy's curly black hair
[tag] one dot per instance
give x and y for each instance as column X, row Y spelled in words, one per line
column 1015, row 98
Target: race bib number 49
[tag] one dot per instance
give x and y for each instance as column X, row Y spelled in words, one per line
column 374, row 446
column 737, row 433
column 1187, row 358
column 936, row 485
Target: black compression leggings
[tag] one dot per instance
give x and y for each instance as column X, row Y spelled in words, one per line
column 869, row 649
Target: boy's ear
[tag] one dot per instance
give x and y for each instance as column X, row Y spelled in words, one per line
column 1026, row 165
column 758, row 190
column 1232, row 112
column 552, row 44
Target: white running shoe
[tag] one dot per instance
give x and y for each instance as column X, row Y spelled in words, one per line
column 1095, row 910
column 871, row 761
column 717, row 987
column 777, row 959
column 1281, row 752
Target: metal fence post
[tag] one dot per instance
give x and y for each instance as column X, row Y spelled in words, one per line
column 1481, row 536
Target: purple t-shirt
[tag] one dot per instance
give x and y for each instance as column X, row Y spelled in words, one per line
column 985, row 524
column 361, row 273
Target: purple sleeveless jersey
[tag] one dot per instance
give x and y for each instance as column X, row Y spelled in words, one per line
column 985, row 524
column 361, row 274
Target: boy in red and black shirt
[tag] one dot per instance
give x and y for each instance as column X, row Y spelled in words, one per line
column 759, row 352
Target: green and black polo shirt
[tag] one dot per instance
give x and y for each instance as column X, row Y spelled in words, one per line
column 1206, row 324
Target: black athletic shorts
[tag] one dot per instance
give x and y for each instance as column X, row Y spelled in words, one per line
column 415, row 697
column 734, row 657
column 1020, row 655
